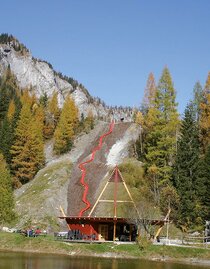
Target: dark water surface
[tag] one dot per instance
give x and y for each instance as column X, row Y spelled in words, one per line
column 10, row 260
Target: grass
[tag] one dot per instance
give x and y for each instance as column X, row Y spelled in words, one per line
column 17, row 242
column 36, row 198
column 45, row 178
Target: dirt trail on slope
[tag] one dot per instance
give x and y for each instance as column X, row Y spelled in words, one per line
column 98, row 169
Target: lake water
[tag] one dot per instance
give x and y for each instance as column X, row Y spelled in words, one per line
column 40, row 261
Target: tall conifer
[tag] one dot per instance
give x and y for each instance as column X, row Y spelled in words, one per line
column 67, row 126
column 197, row 98
column 6, row 197
column 146, row 117
column 161, row 139
column 149, row 93
column 186, row 170
column 27, row 151
column 205, row 116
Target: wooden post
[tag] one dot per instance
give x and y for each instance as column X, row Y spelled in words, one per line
column 139, row 231
column 130, row 232
column 114, row 231
column 98, row 199
column 62, row 211
column 115, row 191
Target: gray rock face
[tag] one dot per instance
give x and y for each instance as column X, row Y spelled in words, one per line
column 39, row 76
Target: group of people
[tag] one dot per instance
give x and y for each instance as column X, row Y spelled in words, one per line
column 33, row 232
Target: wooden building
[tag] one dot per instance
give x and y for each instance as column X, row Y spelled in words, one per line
column 109, row 218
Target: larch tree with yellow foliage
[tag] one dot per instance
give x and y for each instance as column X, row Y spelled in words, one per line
column 67, row 127
column 52, row 114
column 162, row 123
column 146, row 118
column 205, row 117
column 149, row 93
column 28, row 148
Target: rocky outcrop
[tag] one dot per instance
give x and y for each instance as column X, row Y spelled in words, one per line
column 40, row 77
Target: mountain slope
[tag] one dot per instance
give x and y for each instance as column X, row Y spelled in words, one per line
column 58, row 183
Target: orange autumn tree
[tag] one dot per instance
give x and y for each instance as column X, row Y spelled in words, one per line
column 146, row 118
column 149, row 93
column 52, row 114
column 205, row 116
column 28, row 148
column 11, row 110
column 67, row 127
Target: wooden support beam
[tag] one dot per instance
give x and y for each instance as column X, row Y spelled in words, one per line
column 62, row 211
column 64, row 215
column 131, row 198
column 98, row 199
column 118, row 201
column 166, row 219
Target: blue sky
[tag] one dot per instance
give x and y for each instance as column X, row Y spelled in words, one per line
column 111, row 46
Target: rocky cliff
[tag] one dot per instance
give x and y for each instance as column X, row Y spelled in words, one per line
column 39, row 76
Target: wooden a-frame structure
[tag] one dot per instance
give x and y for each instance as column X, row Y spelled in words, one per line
column 116, row 178
column 110, row 225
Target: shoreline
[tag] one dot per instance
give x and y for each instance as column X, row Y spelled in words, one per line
column 165, row 254
column 189, row 261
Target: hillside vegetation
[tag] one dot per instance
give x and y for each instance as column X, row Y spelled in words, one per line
column 38, row 202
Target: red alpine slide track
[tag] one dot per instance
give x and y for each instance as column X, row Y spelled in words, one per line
column 83, row 169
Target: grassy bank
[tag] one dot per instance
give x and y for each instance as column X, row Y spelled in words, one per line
column 17, row 242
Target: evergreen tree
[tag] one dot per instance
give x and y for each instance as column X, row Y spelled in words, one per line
column 6, row 138
column 67, row 127
column 186, row 170
column 206, row 185
column 89, row 121
column 202, row 185
column 7, row 128
column 197, row 98
column 6, row 197
column 43, row 100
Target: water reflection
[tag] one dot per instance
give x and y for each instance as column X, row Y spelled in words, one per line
column 33, row 261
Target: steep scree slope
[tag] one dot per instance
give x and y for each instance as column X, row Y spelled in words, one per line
column 114, row 149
